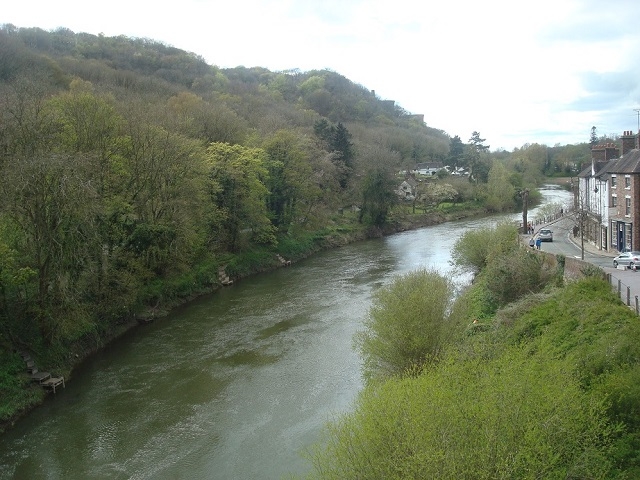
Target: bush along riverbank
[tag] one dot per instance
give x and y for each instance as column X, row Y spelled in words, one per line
column 20, row 393
column 526, row 374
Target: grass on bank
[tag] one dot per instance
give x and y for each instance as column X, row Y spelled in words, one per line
column 545, row 385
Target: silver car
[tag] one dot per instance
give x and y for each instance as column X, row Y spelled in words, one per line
column 545, row 235
column 628, row 259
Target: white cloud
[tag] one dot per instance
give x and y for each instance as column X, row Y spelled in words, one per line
column 517, row 72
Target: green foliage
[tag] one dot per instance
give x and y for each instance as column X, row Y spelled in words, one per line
column 292, row 191
column 475, row 248
column 407, row 324
column 337, row 141
column 511, row 417
column 477, row 159
column 541, row 393
column 500, row 192
column 15, row 387
column 548, row 211
column 504, row 270
column 512, row 275
column 377, row 198
column 471, row 250
column 249, row 262
column 111, row 203
column 312, row 84
column 591, row 271
column 456, row 152
column 241, row 173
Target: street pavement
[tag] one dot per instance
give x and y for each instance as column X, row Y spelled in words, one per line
column 566, row 244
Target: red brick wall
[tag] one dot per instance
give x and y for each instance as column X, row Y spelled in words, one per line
column 628, row 141
column 605, row 151
column 635, row 214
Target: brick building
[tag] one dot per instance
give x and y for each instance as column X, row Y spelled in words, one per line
column 623, row 198
column 591, row 198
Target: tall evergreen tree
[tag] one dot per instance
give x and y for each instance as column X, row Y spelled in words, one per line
column 593, row 139
column 377, row 198
column 342, row 148
column 323, row 130
column 456, row 152
column 477, row 149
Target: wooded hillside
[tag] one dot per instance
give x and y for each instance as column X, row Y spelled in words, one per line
column 134, row 173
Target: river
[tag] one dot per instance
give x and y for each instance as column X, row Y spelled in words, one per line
column 237, row 385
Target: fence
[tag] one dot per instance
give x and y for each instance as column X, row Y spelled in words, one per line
column 624, row 293
column 575, row 269
column 546, row 219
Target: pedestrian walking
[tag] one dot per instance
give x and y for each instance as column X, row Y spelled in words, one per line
column 538, row 243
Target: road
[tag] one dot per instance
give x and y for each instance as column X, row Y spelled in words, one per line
column 627, row 282
column 564, row 243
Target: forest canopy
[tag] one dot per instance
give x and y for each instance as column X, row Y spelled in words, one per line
column 134, row 176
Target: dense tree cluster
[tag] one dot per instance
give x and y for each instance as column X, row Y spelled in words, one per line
column 131, row 171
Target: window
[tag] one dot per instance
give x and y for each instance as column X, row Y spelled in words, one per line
column 628, row 206
column 627, row 181
column 614, row 200
column 614, row 181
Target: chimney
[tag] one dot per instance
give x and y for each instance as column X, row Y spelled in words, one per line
column 603, row 152
column 611, row 151
column 629, row 141
column 597, row 153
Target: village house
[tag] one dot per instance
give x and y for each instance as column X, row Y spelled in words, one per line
column 608, row 197
column 407, row 189
column 592, row 202
column 427, row 168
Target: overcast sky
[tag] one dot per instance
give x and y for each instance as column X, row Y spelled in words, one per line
column 541, row 71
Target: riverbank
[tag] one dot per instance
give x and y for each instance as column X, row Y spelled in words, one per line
column 351, row 232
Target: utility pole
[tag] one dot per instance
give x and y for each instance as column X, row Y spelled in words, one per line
column 582, row 215
column 582, row 233
column 525, row 206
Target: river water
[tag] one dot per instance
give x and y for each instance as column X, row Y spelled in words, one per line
column 237, row 385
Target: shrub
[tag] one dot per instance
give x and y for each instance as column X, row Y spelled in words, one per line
column 475, row 248
column 511, row 417
column 406, row 325
column 512, row 276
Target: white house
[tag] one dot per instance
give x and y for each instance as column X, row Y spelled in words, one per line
column 428, row 168
column 592, row 200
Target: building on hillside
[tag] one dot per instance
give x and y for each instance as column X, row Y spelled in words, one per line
column 407, row 189
column 428, row 168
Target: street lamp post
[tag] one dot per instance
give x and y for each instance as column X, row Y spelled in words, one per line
column 525, row 205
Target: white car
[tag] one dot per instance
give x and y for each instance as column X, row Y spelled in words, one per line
column 545, row 235
column 628, row 259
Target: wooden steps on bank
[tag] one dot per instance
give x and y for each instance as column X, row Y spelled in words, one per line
column 223, row 278
column 42, row 378
column 284, row 262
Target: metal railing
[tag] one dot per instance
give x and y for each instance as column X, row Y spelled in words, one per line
column 624, row 293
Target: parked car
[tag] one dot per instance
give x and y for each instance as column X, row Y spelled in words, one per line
column 545, row 235
column 628, row 259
